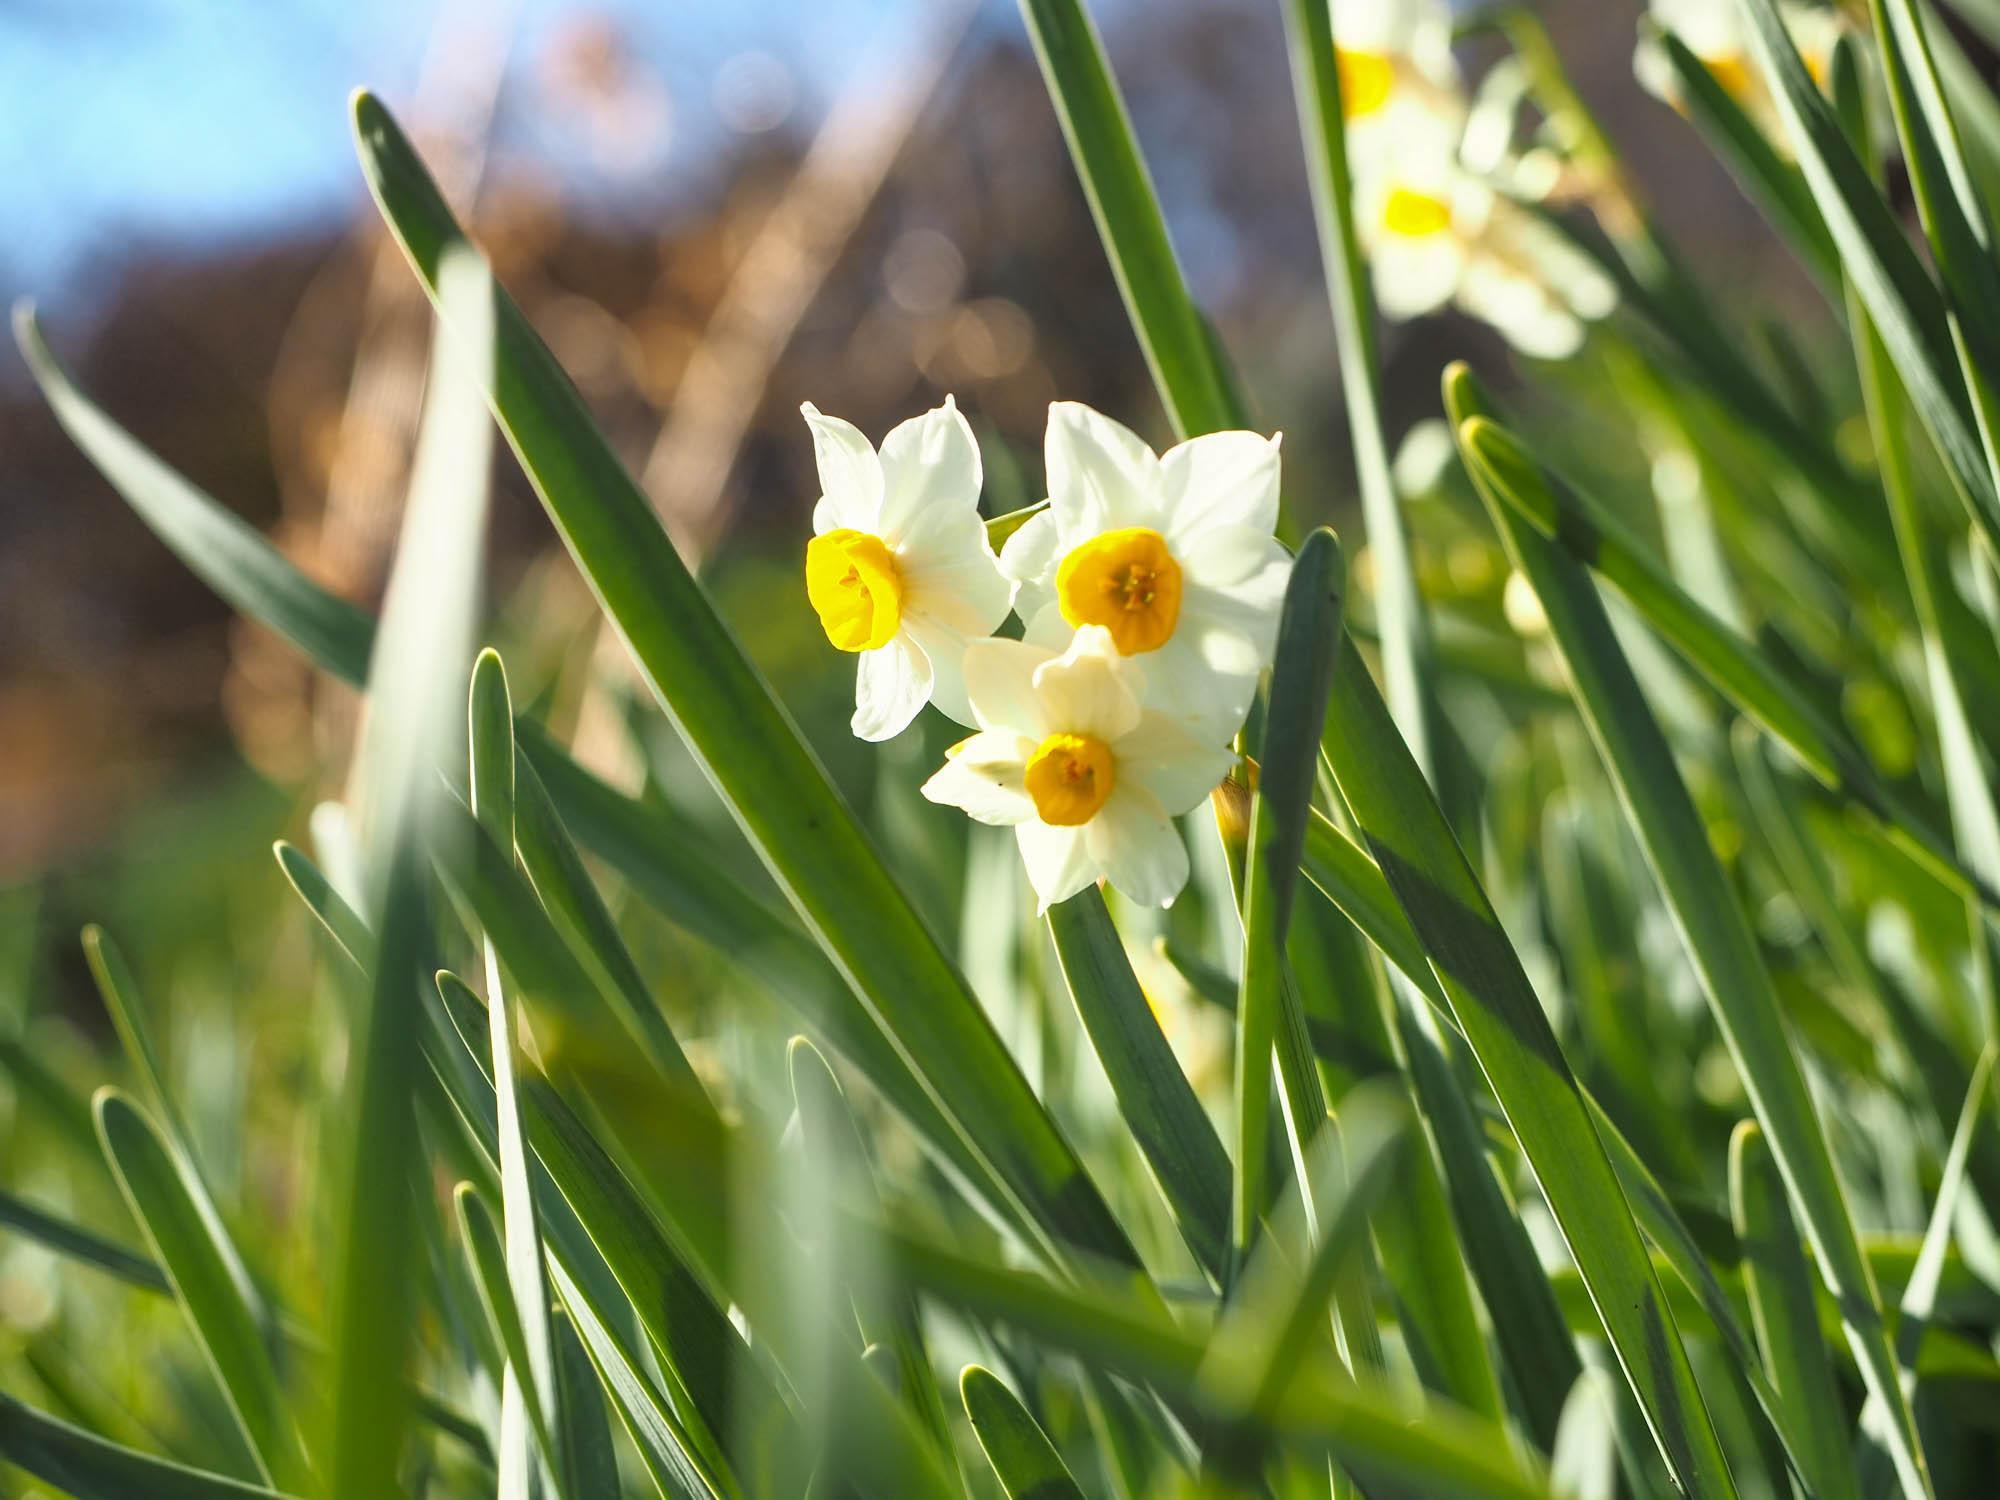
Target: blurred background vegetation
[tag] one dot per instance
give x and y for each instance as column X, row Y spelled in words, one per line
column 711, row 213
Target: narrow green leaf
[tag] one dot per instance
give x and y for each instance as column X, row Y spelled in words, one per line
column 1280, row 1308
column 1503, row 1022
column 486, row 1257
column 889, row 1320
column 711, row 1377
column 210, row 1281
column 1268, row 1018
column 586, row 1425
column 414, row 687
column 524, row 1311
column 1407, row 646
column 1949, row 204
column 1024, row 1460
column 1171, row 333
column 218, row 547
column 1737, row 669
column 1778, row 1279
column 1772, row 182
column 121, row 998
column 340, row 921
column 1157, row 1102
column 1975, row 820
column 1918, row 1305
column 1714, row 931
column 775, row 787
column 552, row 864
column 1882, row 267
column 73, row 1240
column 1359, row 1423
column 1670, row 1235
column 91, row 1468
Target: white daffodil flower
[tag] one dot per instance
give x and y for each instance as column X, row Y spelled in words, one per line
column 1172, row 554
column 1716, row 33
column 899, row 566
column 1395, row 63
column 1089, row 779
column 1436, row 233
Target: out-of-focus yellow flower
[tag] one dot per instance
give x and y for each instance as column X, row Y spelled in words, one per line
column 1437, row 234
column 1715, row 32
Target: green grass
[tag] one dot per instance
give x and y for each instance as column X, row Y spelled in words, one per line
column 1607, row 1110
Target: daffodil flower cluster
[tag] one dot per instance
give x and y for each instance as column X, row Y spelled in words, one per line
column 1435, row 231
column 1148, row 591
column 1715, row 32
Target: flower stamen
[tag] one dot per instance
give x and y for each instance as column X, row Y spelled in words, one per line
column 854, row 583
column 1127, row 582
column 1070, row 777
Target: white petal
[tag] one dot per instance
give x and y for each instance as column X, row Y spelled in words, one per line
column 1221, row 479
column 930, row 475
column 1000, row 685
column 1101, row 475
column 1031, row 551
column 1205, row 677
column 850, row 475
column 1237, row 556
column 1175, row 765
column 1058, row 861
column 1135, row 844
column 1090, row 689
column 983, row 777
column 951, row 575
column 1414, row 276
column 1046, row 627
column 944, row 647
column 891, row 686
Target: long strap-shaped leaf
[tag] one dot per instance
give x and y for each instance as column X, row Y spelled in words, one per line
column 1714, row 931
column 1778, row 1278
column 91, row 1468
column 1771, row 181
column 1399, row 612
column 1170, row 328
column 415, row 683
column 209, row 1280
column 1158, row 1103
column 889, row 1318
column 1882, row 267
column 524, row 1309
column 1372, row 1433
column 1268, row 1023
column 1502, row 1020
column 1527, row 1321
column 1737, row 669
column 773, row 784
column 1024, row 1460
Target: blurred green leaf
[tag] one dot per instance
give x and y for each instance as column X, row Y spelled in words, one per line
column 1778, row 1278
column 212, row 1284
column 219, row 547
column 1026, row 1463
column 90, row 1468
